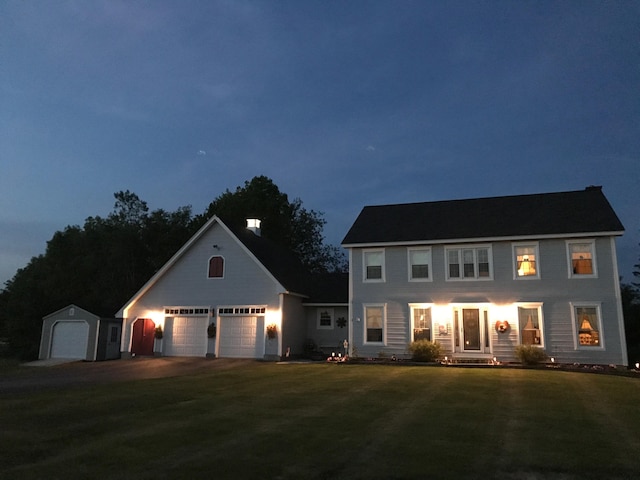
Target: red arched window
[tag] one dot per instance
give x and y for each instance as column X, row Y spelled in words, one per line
column 216, row 267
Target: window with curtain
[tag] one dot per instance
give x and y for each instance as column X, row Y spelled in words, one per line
column 526, row 261
column 581, row 258
column 530, row 325
column 587, row 323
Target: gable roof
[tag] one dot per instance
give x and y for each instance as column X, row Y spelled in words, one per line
column 279, row 263
column 575, row 213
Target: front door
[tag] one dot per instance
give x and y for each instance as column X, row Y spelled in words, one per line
column 143, row 335
column 471, row 330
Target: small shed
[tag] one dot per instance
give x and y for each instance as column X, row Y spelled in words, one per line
column 73, row 332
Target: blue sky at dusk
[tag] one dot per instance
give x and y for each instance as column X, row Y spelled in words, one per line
column 342, row 103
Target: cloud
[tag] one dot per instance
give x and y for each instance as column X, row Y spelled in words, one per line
column 201, row 153
column 370, row 148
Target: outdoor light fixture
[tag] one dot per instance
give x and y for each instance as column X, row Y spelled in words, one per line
column 637, row 366
column 553, row 360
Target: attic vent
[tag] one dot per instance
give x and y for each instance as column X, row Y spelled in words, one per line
column 253, row 224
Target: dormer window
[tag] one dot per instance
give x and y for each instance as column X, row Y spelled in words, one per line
column 216, row 267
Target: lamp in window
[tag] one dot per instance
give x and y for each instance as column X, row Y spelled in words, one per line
column 526, row 267
column 587, row 335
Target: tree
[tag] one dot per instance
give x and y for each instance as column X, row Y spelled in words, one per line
column 631, row 311
column 98, row 267
column 284, row 222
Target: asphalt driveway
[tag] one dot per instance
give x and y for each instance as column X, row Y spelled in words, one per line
column 68, row 374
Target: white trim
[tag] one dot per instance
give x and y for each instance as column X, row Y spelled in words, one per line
column 531, row 305
column 618, row 293
column 224, row 263
column 382, row 265
column 429, row 277
column 536, row 247
column 594, row 260
column 484, row 311
column 574, row 325
column 510, row 238
column 475, row 248
column 383, row 306
column 423, row 306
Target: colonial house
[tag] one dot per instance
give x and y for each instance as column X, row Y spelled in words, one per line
column 482, row 276
column 233, row 293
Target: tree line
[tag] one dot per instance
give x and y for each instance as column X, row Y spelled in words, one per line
column 101, row 264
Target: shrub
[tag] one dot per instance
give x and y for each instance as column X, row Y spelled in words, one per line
column 424, row 351
column 530, row 355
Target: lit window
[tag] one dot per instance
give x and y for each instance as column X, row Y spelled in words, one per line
column 216, row 267
column 374, row 265
column 325, row 319
column 588, row 330
column 530, row 324
column 419, row 264
column 421, row 315
column 374, row 324
column 469, row 263
column 581, row 259
column 526, row 261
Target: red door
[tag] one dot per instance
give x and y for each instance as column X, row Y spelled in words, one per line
column 143, row 334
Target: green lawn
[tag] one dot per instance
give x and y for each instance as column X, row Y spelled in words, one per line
column 330, row 422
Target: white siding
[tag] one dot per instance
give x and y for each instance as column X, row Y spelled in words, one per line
column 554, row 289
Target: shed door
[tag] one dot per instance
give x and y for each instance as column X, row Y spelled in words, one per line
column 241, row 337
column 186, row 336
column 70, row 339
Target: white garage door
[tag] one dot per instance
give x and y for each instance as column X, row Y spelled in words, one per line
column 70, row 339
column 185, row 337
column 239, row 337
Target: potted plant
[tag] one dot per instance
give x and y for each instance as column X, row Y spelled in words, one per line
column 158, row 332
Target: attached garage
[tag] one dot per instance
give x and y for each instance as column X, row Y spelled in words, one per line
column 185, row 336
column 241, row 337
column 75, row 333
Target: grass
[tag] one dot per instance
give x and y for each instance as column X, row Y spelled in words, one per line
column 329, row 422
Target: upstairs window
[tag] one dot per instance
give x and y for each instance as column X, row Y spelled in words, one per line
column 419, row 264
column 216, row 267
column 469, row 263
column 373, row 265
column 526, row 261
column 582, row 262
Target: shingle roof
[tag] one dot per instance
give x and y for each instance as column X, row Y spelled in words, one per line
column 564, row 213
column 283, row 264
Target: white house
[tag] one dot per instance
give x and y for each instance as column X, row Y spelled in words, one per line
column 481, row 276
column 231, row 294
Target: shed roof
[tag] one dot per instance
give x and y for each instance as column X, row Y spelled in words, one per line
column 579, row 213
